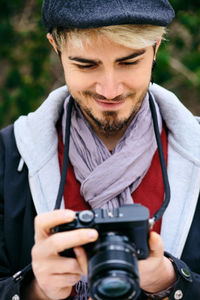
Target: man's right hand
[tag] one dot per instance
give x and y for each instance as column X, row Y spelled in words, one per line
column 56, row 275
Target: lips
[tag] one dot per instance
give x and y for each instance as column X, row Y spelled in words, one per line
column 109, row 104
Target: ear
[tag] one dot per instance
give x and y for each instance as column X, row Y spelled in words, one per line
column 52, row 42
column 157, row 45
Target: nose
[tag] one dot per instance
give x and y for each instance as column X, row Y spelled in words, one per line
column 109, row 85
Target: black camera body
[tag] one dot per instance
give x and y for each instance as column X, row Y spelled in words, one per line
column 128, row 220
column 123, row 238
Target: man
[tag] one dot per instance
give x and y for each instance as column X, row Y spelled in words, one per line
column 108, row 50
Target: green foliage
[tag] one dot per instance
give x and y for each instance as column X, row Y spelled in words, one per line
column 179, row 57
column 24, row 74
column 29, row 68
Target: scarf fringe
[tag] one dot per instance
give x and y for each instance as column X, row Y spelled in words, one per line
column 81, row 291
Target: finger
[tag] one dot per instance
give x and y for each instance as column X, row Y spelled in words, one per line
column 66, row 265
column 155, row 244
column 81, row 259
column 58, row 286
column 57, row 282
column 58, row 265
column 61, row 241
column 65, row 280
column 44, row 222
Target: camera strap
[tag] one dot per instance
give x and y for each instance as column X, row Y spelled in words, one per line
column 65, row 155
column 159, row 213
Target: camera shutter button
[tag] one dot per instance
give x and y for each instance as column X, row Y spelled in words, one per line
column 86, row 216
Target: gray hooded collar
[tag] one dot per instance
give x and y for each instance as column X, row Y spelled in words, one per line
column 183, row 169
column 36, row 139
column 37, row 142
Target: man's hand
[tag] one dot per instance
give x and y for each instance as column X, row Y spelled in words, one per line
column 156, row 272
column 55, row 275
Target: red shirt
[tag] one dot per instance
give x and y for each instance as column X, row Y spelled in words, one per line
column 150, row 192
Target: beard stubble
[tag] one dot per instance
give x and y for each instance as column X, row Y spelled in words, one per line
column 109, row 123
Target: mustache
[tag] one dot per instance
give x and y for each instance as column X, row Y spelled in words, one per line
column 101, row 97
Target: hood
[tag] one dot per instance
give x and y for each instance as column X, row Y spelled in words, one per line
column 36, row 134
column 183, row 169
column 37, row 142
column 184, row 129
column 36, row 139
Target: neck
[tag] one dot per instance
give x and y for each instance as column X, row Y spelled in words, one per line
column 109, row 139
column 109, row 135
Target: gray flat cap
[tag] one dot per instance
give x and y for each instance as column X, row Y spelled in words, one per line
column 97, row 13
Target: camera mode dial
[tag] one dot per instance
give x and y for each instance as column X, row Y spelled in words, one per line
column 86, row 216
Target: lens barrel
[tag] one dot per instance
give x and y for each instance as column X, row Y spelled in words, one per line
column 113, row 268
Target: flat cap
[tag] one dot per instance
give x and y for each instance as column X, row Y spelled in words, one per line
column 97, row 13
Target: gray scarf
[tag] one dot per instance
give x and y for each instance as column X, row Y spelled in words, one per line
column 108, row 179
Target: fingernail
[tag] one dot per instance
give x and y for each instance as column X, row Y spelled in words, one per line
column 92, row 234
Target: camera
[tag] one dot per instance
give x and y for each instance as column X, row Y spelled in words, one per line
column 112, row 259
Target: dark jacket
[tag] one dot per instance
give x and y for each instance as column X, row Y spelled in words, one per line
column 17, row 231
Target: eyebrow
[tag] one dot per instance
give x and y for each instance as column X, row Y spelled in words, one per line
column 133, row 55
column 84, row 60
column 91, row 61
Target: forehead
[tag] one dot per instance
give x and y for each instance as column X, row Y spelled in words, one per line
column 99, row 46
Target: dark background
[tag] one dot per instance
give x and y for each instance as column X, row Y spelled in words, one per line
column 29, row 69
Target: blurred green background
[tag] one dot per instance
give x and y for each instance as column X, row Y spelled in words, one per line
column 29, row 69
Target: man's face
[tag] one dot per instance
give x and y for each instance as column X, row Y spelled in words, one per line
column 108, row 81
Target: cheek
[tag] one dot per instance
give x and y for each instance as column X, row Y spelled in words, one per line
column 140, row 79
column 76, row 81
column 137, row 79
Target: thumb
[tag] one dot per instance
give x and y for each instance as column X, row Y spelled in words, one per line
column 155, row 244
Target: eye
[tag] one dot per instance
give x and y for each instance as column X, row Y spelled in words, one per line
column 126, row 63
column 86, row 66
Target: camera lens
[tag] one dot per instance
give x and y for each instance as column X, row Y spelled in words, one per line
column 114, row 287
column 113, row 269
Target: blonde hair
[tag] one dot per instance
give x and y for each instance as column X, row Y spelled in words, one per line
column 131, row 36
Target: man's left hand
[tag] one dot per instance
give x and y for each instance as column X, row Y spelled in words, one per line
column 156, row 272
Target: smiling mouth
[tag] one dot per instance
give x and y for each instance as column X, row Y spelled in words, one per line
column 109, row 103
